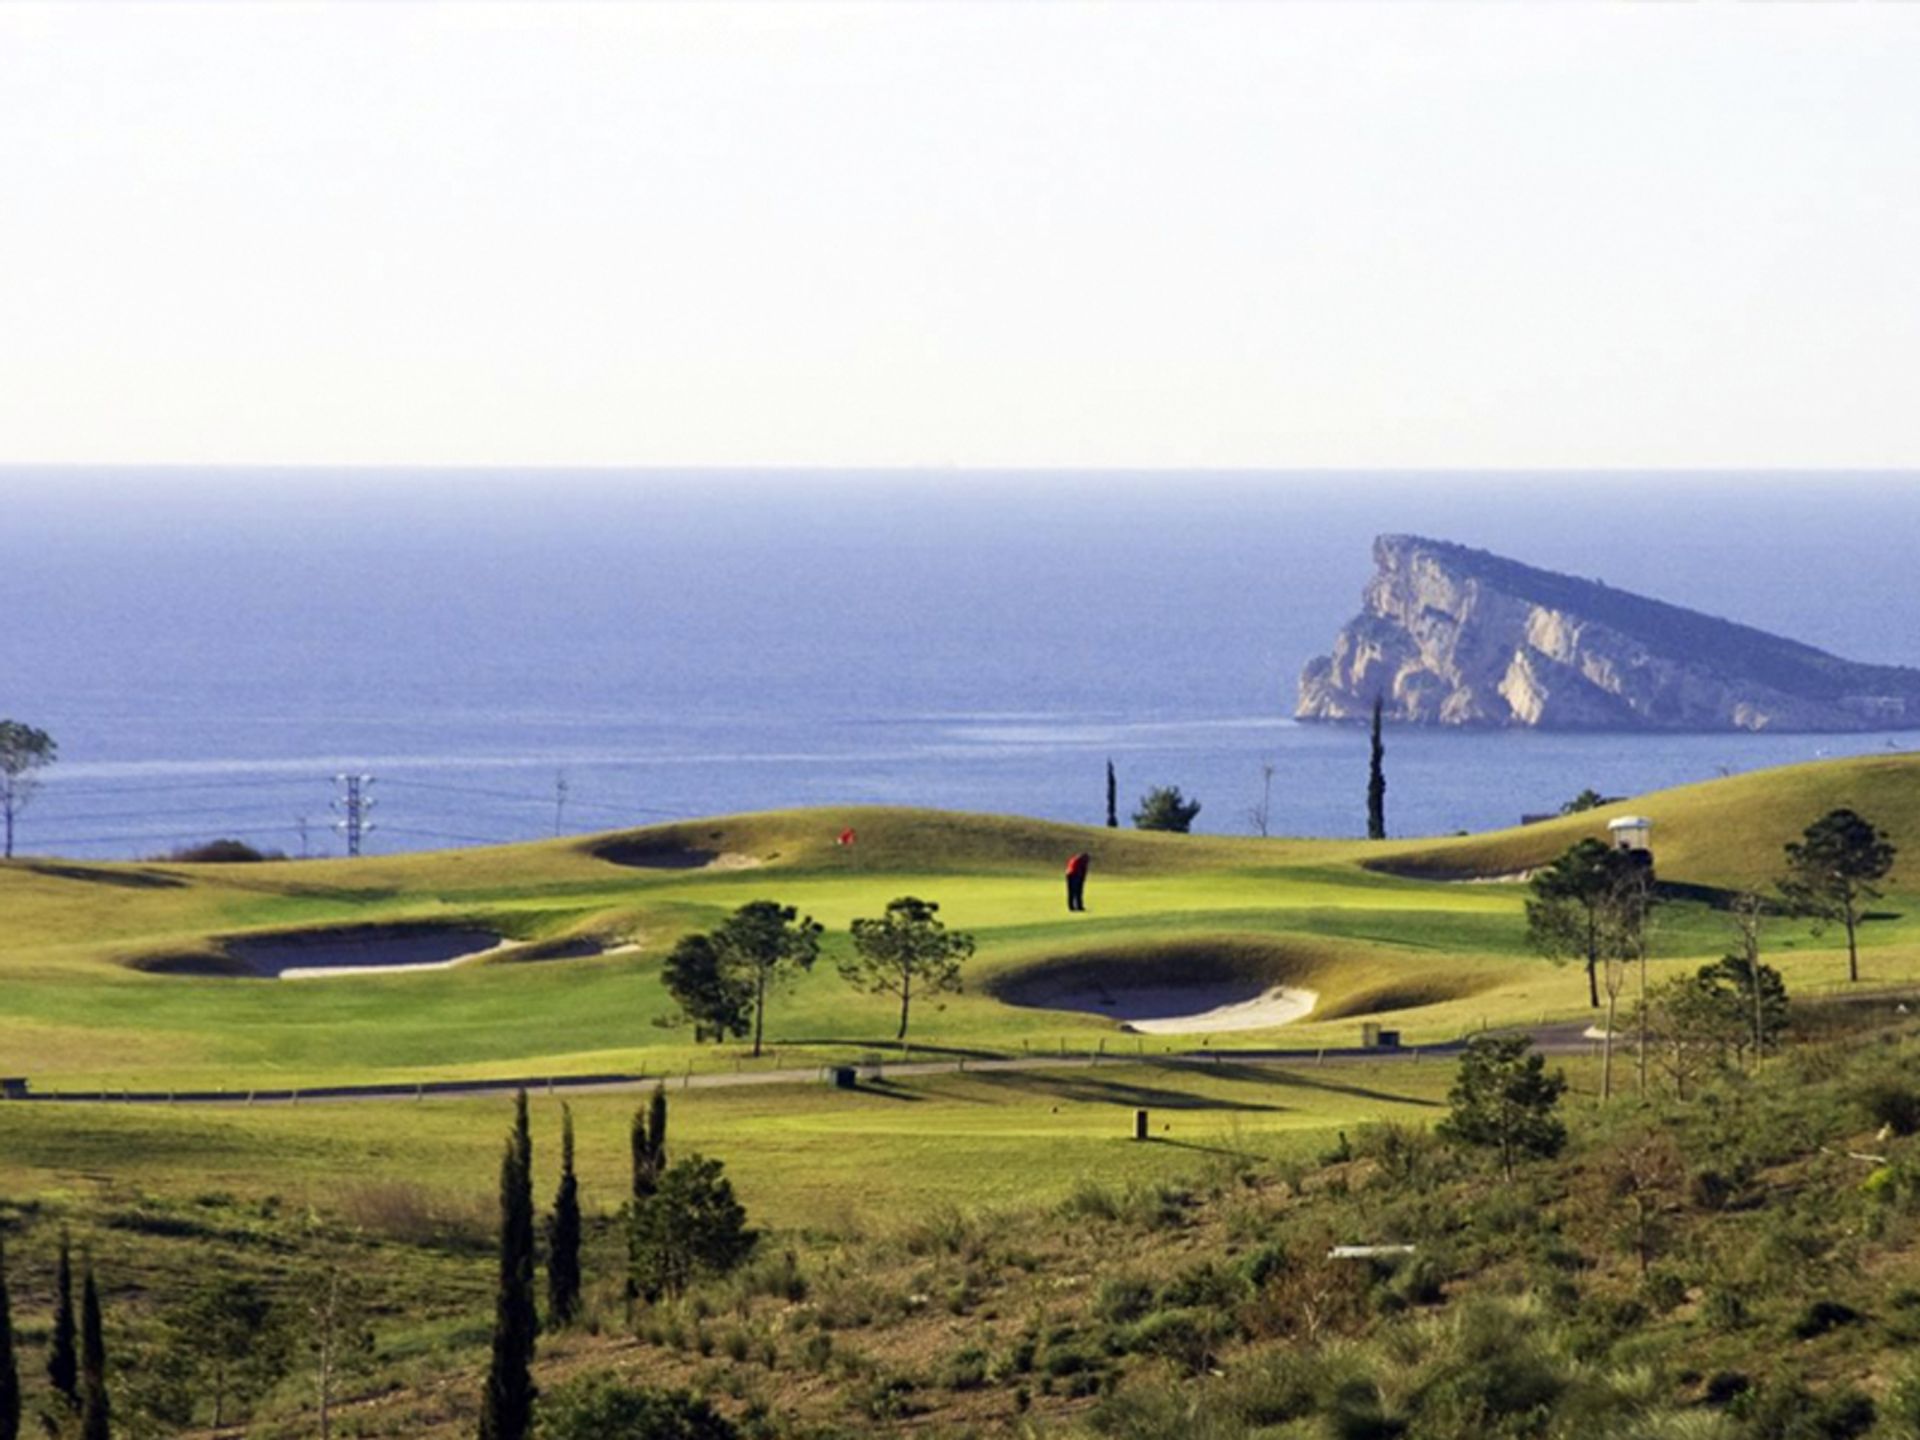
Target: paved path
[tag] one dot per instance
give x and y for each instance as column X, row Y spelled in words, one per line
column 1553, row 1039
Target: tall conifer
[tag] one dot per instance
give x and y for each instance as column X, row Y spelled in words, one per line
column 656, row 1137
column 506, row 1411
column 95, row 1413
column 1377, row 782
column 63, row 1356
column 563, row 1235
column 649, row 1144
column 9, row 1370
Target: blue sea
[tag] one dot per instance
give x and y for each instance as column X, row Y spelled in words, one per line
column 512, row 654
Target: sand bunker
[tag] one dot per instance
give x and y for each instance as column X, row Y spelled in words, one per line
column 1278, row 1006
column 1193, row 1009
column 1185, row 987
column 1190, row 1009
column 654, row 854
column 346, row 950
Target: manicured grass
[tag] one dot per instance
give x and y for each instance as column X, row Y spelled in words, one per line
column 1435, row 958
column 803, row 1156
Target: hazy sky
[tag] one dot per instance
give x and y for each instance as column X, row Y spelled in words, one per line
column 901, row 234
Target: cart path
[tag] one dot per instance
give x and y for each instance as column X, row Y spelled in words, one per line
column 1551, row 1039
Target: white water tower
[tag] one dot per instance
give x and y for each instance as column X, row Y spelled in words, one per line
column 1631, row 832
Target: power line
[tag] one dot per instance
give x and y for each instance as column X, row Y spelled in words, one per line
column 445, row 835
column 528, row 798
column 145, row 835
column 470, row 790
column 166, row 813
column 84, row 786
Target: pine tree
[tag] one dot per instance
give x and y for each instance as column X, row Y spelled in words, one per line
column 9, row 1370
column 1377, row 782
column 563, row 1235
column 1113, row 799
column 506, row 1411
column 95, row 1414
column 63, row 1358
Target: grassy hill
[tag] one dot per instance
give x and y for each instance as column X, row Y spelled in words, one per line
column 100, row 960
column 985, row 1248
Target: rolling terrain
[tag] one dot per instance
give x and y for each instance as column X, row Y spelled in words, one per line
column 933, row 1216
column 151, row 975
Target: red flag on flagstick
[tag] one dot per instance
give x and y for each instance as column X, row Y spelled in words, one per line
column 846, row 837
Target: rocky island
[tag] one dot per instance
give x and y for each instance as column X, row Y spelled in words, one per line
column 1454, row 636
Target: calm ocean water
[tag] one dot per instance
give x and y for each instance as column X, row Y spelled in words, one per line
column 211, row 649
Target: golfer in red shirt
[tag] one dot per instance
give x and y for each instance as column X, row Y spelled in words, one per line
column 1077, row 881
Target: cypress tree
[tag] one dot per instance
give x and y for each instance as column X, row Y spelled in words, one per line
column 649, row 1144
column 656, row 1137
column 63, row 1359
column 9, row 1370
column 1113, row 799
column 506, row 1411
column 563, row 1235
column 1377, row 782
column 95, row 1414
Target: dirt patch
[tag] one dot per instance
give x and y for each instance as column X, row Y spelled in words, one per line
column 342, row 950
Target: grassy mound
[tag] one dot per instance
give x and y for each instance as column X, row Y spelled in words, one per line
column 1726, row 832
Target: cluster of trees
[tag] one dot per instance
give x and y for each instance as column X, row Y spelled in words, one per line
column 1729, row 1012
column 682, row 1221
column 1594, row 904
column 76, row 1359
column 721, row 979
column 222, row 1346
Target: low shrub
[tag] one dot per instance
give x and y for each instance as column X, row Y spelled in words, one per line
column 1124, row 1298
column 1894, row 1105
column 1205, row 1283
column 1823, row 1316
column 600, row 1407
column 1787, row 1410
column 1723, row 1387
column 221, row 852
column 966, row 1370
column 1189, row 1337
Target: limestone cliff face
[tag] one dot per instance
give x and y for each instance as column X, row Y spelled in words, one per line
column 1452, row 636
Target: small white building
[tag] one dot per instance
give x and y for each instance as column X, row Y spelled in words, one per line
column 1631, row 832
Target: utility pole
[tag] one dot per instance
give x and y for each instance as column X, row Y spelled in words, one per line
column 559, row 798
column 353, row 805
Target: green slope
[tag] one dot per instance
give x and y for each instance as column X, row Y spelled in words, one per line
column 1377, row 929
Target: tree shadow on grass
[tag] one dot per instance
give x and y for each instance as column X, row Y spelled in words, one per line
column 1087, row 1090
column 882, row 1088
column 120, row 879
column 1277, row 1075
column 895, row 1051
